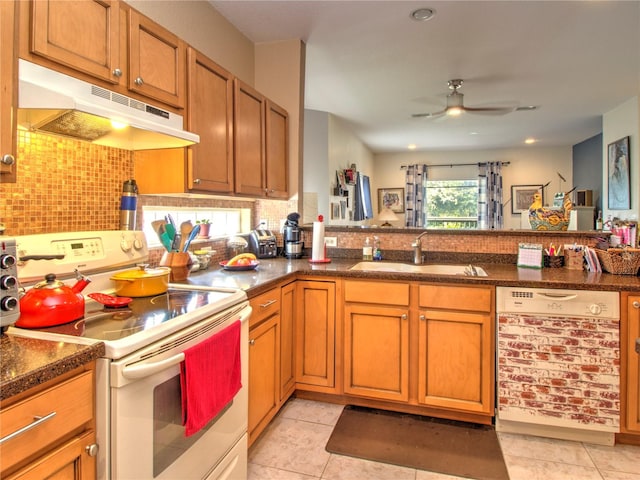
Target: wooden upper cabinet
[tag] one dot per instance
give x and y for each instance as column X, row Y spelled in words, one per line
column 83, row 35
column 249, row 140
column 8, row 90
column 277, row 151
column 157, row 61
column 210, row 115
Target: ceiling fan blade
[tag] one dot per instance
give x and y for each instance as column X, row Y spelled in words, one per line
column 489, row 110
column 429, row 115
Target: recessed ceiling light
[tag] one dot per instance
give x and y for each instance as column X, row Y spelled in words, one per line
column 527, row 108
column 422, row 14
column 530, row 140
column 412, row 146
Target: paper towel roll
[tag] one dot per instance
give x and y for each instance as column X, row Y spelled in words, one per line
column 317, row 247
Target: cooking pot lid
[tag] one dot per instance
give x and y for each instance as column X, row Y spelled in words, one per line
column 142, row 273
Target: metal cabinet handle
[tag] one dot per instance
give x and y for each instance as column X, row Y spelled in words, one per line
column 92, row 450
column 37, row 421
column 403, row 316
column 138, row 81
column 252, row 341
column 196, row 181
column 117, row 72
column 8, row 159
column 267, row 304
column 422, row 317
column 636, row 304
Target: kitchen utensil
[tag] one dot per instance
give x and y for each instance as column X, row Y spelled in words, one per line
column 110, row 300
column 142, row 282
column 185, row 230
column 251, row 266
column 51, row 302
column 193, row 234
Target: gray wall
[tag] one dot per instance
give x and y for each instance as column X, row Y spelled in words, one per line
column 587, row 168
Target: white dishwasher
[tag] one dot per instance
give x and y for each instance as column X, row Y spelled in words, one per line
column 558, row 363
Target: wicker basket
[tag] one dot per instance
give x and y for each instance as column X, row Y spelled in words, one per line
column 620, row 261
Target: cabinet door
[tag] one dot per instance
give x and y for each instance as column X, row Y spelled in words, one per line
column 315, row 335
column 248, row 145
column 157, row 61
column 633, row 364
column 210, row 115
column 83, row 35
column 73, row 460
column 264, row 345
column 287, row 346
column 277, row 151
column 8, row 90
column 376, row 352
column 455, row 360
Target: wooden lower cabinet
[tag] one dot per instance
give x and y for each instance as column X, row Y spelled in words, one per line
column 63, row 444
column 456, row 348
column 263, row 382
column 376, row 340
column 315, row 326
column 287, row 340
column 630, row 332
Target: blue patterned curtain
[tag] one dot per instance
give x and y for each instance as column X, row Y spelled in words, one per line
column 490, row 215
column 415, row 196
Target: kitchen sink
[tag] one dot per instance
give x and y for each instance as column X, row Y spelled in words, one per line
column 437, row 269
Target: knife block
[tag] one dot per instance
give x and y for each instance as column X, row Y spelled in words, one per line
column 179, row 263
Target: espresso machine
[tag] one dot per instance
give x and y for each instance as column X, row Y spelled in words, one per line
column 292, row 234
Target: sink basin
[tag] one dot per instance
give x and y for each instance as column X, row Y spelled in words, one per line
column 437, row 269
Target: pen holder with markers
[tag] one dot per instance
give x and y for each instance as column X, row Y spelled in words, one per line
column 554, row 261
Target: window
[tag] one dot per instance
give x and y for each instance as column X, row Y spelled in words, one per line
column 452, row 204
column 225, row 222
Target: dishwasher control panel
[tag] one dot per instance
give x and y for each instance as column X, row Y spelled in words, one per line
column 558, row 302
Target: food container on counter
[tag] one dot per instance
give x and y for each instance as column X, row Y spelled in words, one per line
column 142, row 282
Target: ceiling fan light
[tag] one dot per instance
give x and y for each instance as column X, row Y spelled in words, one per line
column 454, row 111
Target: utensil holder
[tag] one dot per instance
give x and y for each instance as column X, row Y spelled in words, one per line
column 179, row 263
column 553, row 261
column 573, row 260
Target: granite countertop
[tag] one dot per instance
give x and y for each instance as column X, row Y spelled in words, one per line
column 28, row 362
column 273, row 271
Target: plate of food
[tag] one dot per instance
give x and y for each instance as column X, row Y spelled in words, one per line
column 244, row 261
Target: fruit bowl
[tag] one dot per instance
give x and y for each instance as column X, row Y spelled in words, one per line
column 249, row 266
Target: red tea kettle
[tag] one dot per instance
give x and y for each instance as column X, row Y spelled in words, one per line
column 51, row 303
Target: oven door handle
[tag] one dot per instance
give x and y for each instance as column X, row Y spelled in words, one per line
column 142, row 370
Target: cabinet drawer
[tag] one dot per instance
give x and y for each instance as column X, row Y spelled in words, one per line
column 70, row 401
column 376, row 292
column 264, row 306
column 476, row 299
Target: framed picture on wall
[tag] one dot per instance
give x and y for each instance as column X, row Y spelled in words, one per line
column 392, row 198
column 522, row 197
column 618, row 175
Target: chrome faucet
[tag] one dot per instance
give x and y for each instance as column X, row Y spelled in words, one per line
column 417, row 249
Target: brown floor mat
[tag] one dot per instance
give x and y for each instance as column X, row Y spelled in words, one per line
column 444, row 446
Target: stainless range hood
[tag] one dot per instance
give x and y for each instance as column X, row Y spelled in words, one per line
column 54, row 103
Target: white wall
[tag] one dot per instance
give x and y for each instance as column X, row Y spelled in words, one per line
column 528, row 166
column 621, row 122
column 315, row 166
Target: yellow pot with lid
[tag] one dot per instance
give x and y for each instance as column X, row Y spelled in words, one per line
column 142, row 282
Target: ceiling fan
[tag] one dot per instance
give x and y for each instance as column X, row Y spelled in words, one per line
column 455, row 105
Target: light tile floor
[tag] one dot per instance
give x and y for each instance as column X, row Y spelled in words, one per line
column 293, row 448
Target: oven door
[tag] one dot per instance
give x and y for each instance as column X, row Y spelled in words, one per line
column 147, row 435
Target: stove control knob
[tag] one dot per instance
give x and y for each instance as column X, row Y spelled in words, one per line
column 7, row 282
column 7, row 261
column 125, row 244
column 137, row 244
column 8, row 304
column 595, row 309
